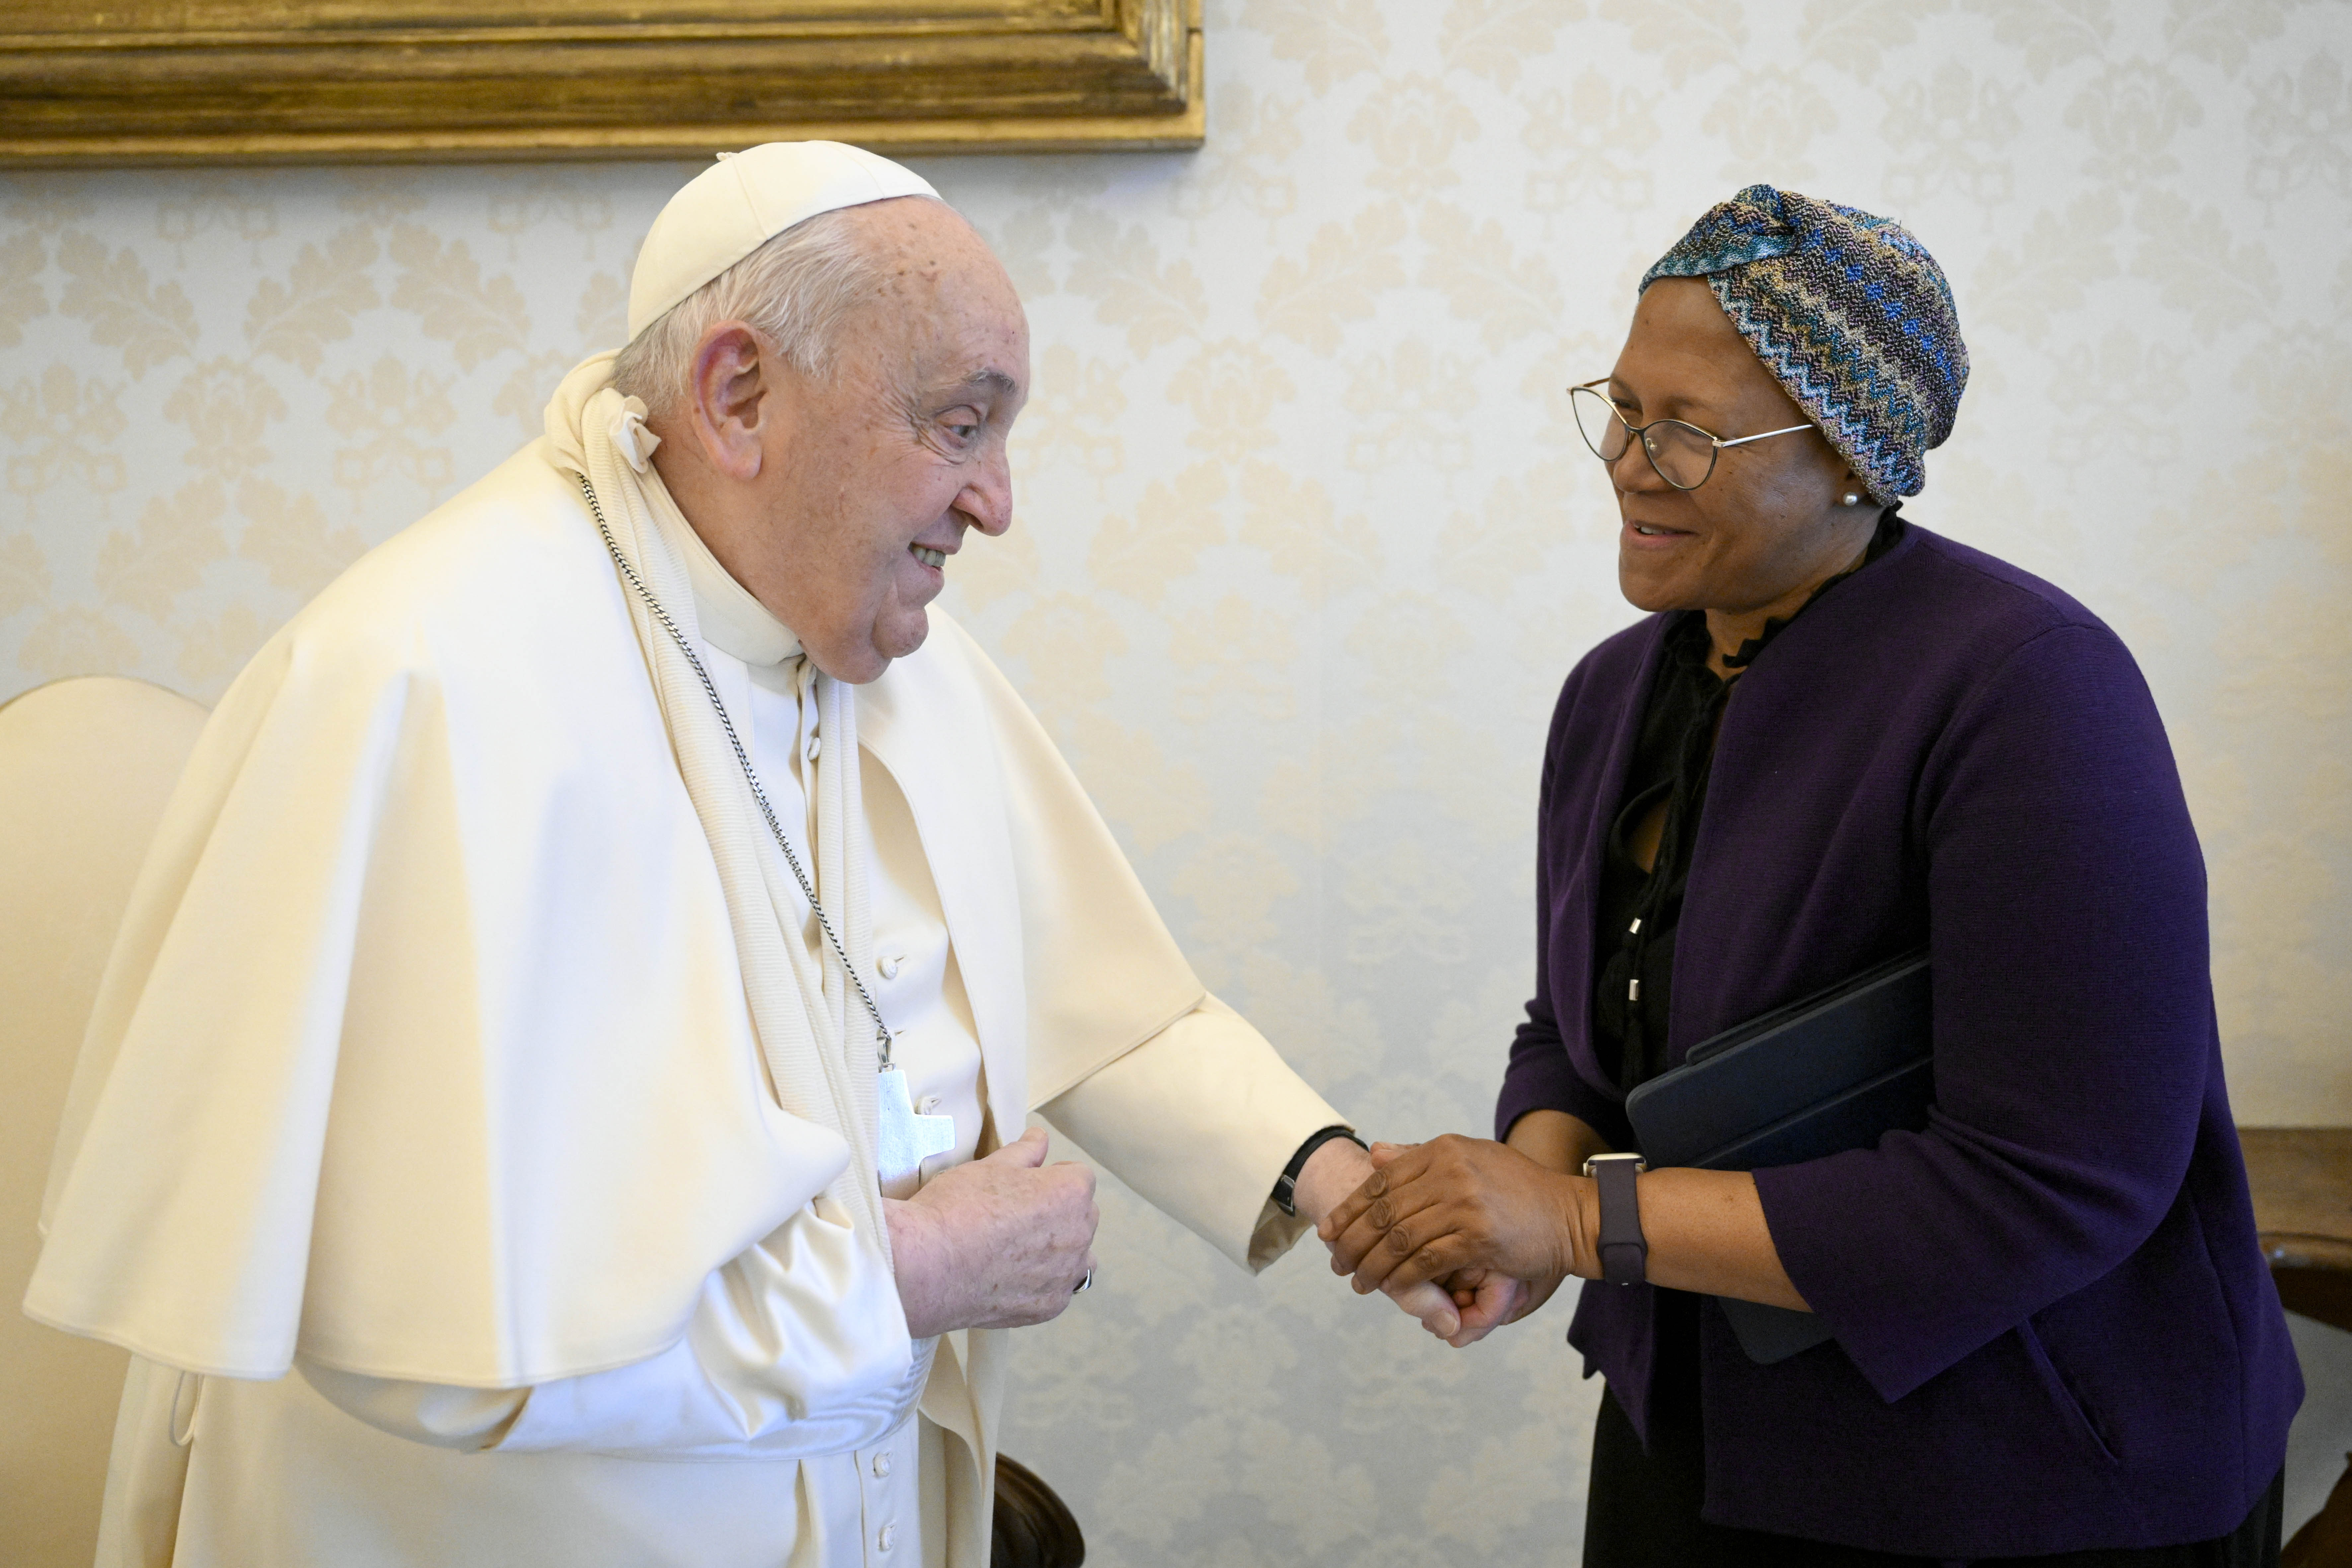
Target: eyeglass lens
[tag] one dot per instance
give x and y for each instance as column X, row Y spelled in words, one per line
column 1597, row 422
column 1683, row 455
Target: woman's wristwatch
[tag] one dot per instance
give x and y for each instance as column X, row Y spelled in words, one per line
column 1624, row 1253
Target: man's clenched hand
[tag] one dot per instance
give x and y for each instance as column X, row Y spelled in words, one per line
column 1000, row 1243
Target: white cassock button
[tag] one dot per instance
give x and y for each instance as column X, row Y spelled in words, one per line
column 882, row 1464
column 889, row 1533
column 815, row 744
column 888, row 965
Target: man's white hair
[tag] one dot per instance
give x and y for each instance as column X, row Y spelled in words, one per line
column 794, row 291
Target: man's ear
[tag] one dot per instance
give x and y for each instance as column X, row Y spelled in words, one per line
column 730, row 395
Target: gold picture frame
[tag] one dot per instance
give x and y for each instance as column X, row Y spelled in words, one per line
column 232, row 81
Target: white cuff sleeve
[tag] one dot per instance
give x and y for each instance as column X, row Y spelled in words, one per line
column 1200, row 1120
column 797, row 1348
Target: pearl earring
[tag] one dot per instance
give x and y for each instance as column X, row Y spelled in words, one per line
column 1853, row 498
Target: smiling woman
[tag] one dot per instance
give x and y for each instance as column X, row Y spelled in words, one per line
column 1842, row 738
column 1709, row 523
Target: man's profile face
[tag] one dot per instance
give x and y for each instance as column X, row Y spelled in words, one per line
column 870, row 482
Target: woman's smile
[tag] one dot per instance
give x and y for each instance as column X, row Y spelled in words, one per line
column 1651, row 536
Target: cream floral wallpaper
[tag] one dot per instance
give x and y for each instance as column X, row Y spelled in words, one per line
column 1307, row 542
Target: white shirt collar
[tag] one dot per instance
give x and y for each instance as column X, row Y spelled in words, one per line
column 731, row 620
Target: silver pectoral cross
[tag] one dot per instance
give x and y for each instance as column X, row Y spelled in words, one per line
column 906, row 1140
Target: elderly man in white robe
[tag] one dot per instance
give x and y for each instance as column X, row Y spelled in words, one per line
column 581, row 1007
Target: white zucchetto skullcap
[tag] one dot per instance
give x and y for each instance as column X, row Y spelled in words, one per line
column 743, row 201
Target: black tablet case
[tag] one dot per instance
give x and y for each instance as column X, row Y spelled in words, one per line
column 1834, row 1071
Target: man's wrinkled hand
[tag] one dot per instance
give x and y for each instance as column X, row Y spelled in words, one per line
column 1431, row 1304
column 1487, row 1301
column 1432, row 1211
column 998, row 1243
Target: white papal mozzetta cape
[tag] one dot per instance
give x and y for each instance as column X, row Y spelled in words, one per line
column 423, row 1058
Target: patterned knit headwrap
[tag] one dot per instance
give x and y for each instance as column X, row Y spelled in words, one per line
column 1849, row 313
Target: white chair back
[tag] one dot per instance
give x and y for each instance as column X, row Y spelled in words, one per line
column 85, row 766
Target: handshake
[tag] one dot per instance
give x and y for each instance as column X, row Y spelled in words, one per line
column 1464, row 1234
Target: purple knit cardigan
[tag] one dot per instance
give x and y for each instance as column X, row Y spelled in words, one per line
column 2054, row 1328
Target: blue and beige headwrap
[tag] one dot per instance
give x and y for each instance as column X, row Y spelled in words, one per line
column 1851, row 314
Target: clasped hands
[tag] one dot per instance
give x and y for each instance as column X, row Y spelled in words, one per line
column 1493, row 1229
column 1463, row 1233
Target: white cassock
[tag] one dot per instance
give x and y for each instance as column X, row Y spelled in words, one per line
column 464, row 1057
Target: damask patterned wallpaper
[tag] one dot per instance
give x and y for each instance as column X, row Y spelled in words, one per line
column 1307, row 542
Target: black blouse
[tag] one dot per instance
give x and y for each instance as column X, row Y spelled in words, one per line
column 1639, row 910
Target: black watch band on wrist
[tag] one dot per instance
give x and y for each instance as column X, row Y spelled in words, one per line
column 1625, row 1253
column 1286, row 1186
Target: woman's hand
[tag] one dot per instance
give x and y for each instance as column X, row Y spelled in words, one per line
column 1487, row 1301
column 1433, row 1210
column 1337, row 1169
column 999, row 1243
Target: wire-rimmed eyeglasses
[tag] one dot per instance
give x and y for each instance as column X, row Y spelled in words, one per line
column 1683, row 454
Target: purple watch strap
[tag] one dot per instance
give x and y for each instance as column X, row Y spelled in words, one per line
column 1624, row 1253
